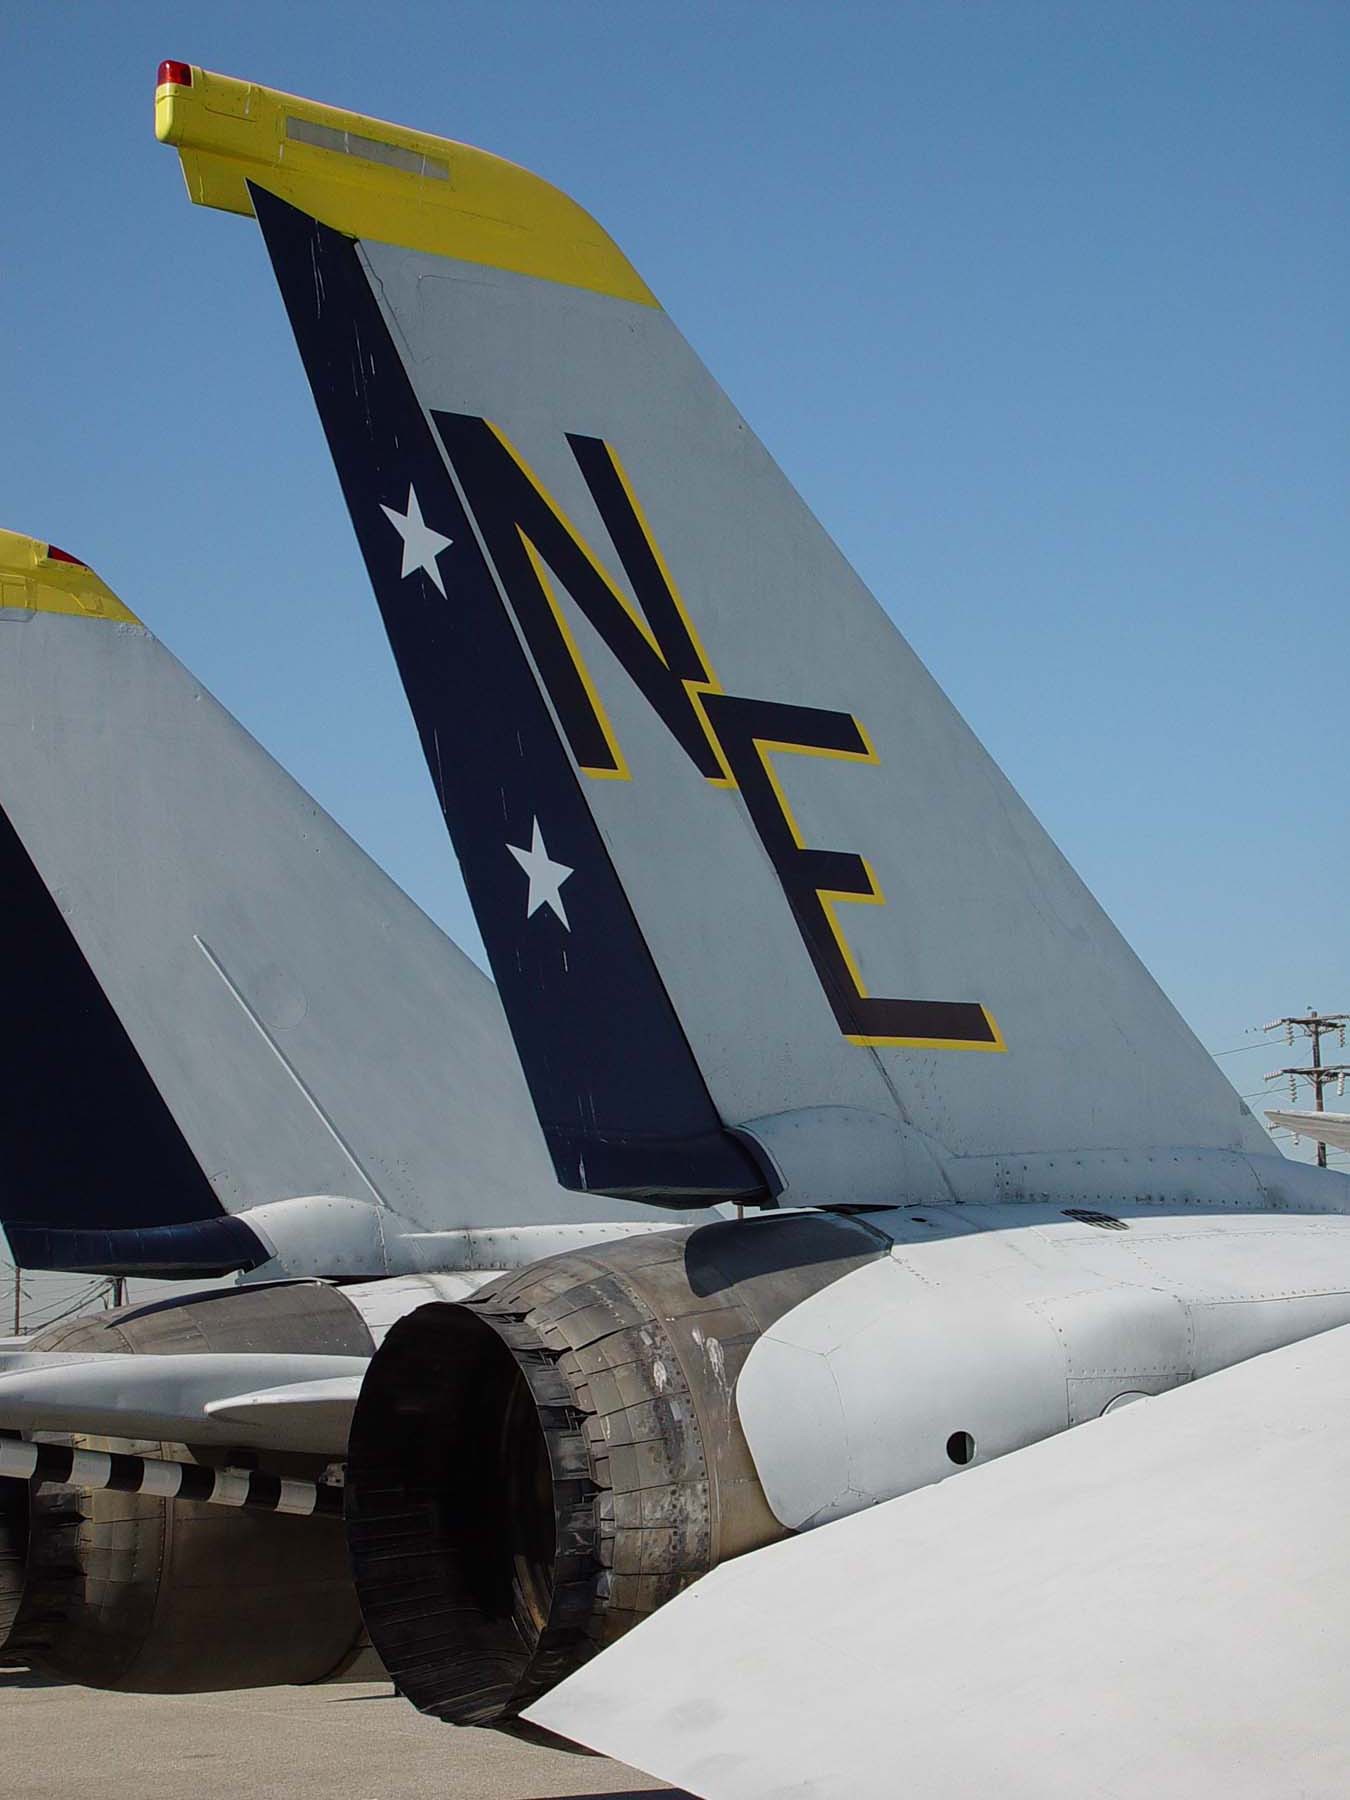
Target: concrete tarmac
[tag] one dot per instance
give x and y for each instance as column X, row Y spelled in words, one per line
column 330, row 1743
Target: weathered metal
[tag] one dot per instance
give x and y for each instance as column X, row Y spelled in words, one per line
column 156, row 1595
column 536, row 1470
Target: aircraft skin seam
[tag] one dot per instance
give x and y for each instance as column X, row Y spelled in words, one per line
column 287, row 1065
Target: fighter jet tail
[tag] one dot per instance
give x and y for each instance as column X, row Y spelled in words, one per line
column 764, row 915
column 214, row 1001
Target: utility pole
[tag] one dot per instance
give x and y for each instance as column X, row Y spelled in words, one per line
column 1314, row 1025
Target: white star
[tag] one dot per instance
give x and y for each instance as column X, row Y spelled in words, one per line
column 421, row 545
column 546, row 877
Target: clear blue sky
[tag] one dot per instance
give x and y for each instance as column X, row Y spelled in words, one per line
column 1042, row 307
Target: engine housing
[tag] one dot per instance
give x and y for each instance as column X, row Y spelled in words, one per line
column 535, row 1469
column 127, row 1591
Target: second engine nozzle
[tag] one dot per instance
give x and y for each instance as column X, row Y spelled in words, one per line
column 128, row 1591
column 536, row 1469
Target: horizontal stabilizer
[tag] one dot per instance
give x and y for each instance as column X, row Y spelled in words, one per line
column 201, row 1248
column 1021, row 1629
column 1322, row 1128
column 253, row 1401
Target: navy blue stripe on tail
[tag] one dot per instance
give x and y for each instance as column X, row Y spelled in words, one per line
column 623, row 1104
column 86, row 1140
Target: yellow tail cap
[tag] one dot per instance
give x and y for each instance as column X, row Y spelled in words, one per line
column 39, row 577
column 374, row 180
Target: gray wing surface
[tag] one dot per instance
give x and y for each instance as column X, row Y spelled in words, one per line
column 1153, row 1606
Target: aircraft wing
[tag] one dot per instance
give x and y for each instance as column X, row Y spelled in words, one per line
column 1332, row 1129
column 1155, row 1604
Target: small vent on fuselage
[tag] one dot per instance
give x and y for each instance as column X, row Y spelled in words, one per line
column 1105, row 1221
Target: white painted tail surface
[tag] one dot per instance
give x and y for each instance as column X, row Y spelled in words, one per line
column 307, row 1026
column 845, row 901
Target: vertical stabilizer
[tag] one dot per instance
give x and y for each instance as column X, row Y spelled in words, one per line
column 214, row 998
column 733, row 852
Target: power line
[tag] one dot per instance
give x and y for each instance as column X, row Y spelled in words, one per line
column 1313, row 1026
column 53, row 1308
column 69, row 1313
column 61, row 1306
